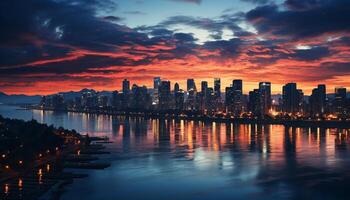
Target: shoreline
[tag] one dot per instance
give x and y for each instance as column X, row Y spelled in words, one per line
column 149, row 115
column 44, row 175
column 47, row 178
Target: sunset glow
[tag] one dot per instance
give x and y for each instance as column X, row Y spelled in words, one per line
column 95, row 45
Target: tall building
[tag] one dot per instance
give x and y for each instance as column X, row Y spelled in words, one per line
column 301, row 101
column 254, row 102
column 156, row 82
column 217, row 87
column 191, row 85
column 291, row 98
column 204, row 87
column 317, row 101
column 192, row 93
column 322, row 97
column 229, row 99
column 265, row 97
column 176, row 88
column 140, row 99
column 126, row 86
column 164, row 95
column 179, row 100
column 202, row 97
column 340, row 101
column 126, row 93
column 210, row 101
column 237, row 86
column 234, row 98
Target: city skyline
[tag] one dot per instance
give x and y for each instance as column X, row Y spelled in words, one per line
column 55, row 46
column 205, row 101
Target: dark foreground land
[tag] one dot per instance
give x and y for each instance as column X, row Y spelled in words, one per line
column 33, row 156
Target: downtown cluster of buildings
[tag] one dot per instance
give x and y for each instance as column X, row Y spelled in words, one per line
column 210, row 101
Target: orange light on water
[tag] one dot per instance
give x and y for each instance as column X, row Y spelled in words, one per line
column 20, row 183
column 7, row 188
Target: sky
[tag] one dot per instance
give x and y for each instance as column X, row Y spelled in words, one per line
column 49, row 46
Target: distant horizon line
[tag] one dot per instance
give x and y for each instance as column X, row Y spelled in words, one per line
column 306, row 90
column 79, row 90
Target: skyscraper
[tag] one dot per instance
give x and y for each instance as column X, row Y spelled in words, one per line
column 322, row 97
column 204, row 87
column 179, row 100
column 234, row 98
column 340, row 101
column 192, row 92
column 318, row 101
column 176, row 88
column 229, row 99
column 237, row 85
column 191, row 85
column 140, row 99
column 156, row 82
column 164, row 95
column 265, row 97
column 291, row 98
column 126, row 86
column 217, row 87
column 254, row 102
column 238, row 96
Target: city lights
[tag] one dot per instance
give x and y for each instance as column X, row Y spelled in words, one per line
column 211, row 102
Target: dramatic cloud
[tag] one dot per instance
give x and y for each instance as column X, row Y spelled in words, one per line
column 55, row 45
column 113, row 18
column 306, row 18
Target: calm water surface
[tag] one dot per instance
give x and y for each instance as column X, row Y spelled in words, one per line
column 180, row 160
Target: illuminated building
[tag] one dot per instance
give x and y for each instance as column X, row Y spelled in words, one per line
column 318, row 101
column 156, row 83
column 340, row 101
column 192, row 92
column 217, row 87
column 179, row 99
column 254, row 102
column 265, row 97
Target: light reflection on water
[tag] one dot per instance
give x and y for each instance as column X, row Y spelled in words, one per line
column 169, row 159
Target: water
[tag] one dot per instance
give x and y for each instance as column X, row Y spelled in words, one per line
column 159, row 159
